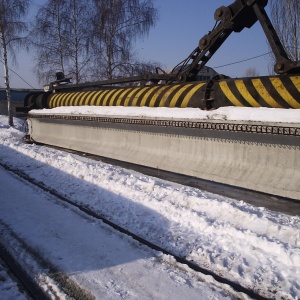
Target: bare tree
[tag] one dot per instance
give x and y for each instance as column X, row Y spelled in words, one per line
column 285, row 16
column 140, row 68
column 251, row 72
column 90, row 39
column 11, row 28
column 78, row 27
column 117, row 23
column 48, row 40
column 61, row 37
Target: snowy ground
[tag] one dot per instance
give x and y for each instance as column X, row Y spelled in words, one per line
column 258, row 248
column 224, row 113
column 9, row 290
column 100, row 262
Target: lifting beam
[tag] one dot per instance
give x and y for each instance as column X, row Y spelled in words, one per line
column 234, row 18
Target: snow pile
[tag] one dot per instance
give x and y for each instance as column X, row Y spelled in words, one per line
column 251, row 245
column 9, row 289
column 261, row 114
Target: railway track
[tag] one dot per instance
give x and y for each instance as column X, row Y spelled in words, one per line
column 262, row 157
column 180, row 260
column 19, row 275
column 49, row 282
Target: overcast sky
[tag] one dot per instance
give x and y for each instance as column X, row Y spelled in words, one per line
column 180, row 26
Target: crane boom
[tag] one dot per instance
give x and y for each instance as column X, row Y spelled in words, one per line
column 234, row 18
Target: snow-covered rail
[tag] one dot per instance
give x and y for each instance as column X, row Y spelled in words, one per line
column 250, row 245
column 20, row 283
column 72, row 288
column 261, row 156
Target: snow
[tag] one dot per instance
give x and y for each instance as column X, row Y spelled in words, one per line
column 9, row 289
column 87, row 250
column 253, row 246
column 260, row 114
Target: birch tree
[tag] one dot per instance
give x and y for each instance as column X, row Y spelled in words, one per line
column 90, row 39
column 12, row 26
column 117, row 24
column 60, row 38
column 78, row 26
column 48, row 40
column 285, row 16
column 251, row 72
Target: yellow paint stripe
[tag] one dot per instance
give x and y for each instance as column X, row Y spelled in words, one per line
column 107, row 97
column 135, row 101
column 257, row 83
column 189, row 95
column 92, row 98
column 123, row 94
column 228, row 93
column 164, row 98
column 51, row 100
column 178, row 94
column 99, row 97
column 296, row 81
column 83, row 98
column 77, row 98
column 73, row 99
column 134, row 90
column 157, row 93
column 54, row 100
column 66, row 98
column 111, row 102
column 245, row 93
column 146, row 96
column 62, row 100
column 89, row 97
column 284, row 93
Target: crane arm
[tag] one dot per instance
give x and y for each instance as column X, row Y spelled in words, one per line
column 234, row 18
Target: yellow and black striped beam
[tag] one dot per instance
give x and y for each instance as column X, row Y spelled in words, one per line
column 270, row 91
column 177, row 95
column 276, row 91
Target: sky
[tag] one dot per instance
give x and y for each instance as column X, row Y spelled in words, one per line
column 180, row 26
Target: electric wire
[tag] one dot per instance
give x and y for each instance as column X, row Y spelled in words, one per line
column 183, row 65
column 18, row 76
column 241, row 61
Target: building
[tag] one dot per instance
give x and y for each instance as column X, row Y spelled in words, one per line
column 17, row 99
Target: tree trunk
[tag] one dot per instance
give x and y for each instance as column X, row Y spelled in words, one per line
column 60, row 39
column 6, row 80
column 76, row 42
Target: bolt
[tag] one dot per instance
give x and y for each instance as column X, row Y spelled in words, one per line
column 280, row 66
column 219, row 13
column 203, row 42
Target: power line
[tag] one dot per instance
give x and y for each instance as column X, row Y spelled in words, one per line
column 240, row 61
column 19, row 76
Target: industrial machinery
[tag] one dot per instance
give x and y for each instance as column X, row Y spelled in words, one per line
column 179, row 88
column 260, row 156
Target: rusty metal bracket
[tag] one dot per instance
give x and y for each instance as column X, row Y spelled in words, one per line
column 209, row 91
